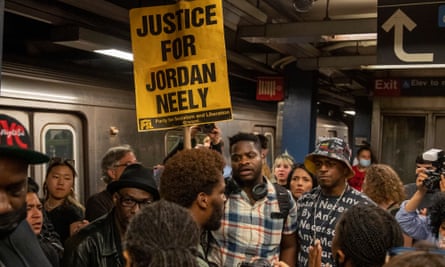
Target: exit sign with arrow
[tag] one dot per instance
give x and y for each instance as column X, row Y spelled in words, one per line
column 411, row 32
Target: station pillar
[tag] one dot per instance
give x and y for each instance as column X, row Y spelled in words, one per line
column 361, row 132
column 299, row 112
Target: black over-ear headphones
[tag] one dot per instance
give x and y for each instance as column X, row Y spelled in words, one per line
column 258, row 191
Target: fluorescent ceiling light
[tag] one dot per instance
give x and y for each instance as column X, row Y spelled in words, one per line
column 116, row 53
column 92, row 41
column 401, row 67
column 349, row 37
column 349, row 112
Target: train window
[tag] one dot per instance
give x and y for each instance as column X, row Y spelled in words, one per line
column 403, row 138
column 174, row 138
column 332, row 133
column 59, row 143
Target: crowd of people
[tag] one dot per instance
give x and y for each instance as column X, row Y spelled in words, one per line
column 322, row 212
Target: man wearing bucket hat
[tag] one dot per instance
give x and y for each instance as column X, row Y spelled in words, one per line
column 18, row 244
column 319, row 210
column 99, row 243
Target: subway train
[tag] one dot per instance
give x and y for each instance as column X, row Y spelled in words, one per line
column 78, row 118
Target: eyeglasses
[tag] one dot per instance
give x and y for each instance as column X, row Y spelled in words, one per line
column 400, row 250
column 58, row 160
column 328, row 163
column 126, row 164
column 129, row 202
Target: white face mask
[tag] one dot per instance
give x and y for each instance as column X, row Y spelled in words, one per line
column 365, row 162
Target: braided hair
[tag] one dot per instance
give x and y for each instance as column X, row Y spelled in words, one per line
column 365, row 233
column 437, row 213
column 163, row 235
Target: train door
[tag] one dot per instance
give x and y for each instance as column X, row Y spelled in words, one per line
column 57, row 135
column 403, row 138
column 439, row 130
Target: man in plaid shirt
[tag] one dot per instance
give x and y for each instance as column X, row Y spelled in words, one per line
column 253, row 228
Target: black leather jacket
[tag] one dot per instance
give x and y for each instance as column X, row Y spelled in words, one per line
column 98, row 244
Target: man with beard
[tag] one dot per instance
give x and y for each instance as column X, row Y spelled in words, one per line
column 254, row 230
column 193, row 178
column 100, row 243
column 319, row 210
column 18, row 243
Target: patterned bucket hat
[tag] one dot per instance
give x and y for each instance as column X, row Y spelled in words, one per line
column 334, row 148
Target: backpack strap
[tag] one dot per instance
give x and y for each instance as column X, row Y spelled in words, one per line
column 283, row 200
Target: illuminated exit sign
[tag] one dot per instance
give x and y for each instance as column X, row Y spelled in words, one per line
column 410, row 87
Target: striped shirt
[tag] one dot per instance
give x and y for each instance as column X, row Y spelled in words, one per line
column 249, row 232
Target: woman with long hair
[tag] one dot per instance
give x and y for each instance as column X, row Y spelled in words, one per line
column 61, row 206
column 300, row 181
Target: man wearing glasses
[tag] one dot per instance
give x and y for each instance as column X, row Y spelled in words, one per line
column 113, row 165
column 99, row 243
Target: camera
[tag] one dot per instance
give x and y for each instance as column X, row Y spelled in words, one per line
column 256, row 263
column 437, row 159
column 208, row 128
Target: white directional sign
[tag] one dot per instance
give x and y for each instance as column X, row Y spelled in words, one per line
column 399, row 20
column 411, row 32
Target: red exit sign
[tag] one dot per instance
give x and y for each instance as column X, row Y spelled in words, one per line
column 387, row 87
column 270, row 88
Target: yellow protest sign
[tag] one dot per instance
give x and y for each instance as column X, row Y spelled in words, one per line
column 180, row 67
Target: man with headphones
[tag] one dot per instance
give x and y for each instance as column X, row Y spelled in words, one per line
column 254, row 227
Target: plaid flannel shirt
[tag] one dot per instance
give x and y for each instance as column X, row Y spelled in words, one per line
column 249, row 232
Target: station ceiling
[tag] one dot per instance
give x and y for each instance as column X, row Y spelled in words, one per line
column 262, row 37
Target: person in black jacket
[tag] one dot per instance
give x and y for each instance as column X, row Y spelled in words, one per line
column 18, row 244
column 49, row 239
column 100, row 243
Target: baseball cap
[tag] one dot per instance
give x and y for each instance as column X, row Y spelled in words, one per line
column 15, row 141
column 334, row 148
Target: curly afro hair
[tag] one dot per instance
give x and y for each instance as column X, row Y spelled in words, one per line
column 190, row 172
column 437, row 213
column 382, row 184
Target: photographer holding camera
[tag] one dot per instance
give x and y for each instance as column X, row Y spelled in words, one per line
column 419, row 226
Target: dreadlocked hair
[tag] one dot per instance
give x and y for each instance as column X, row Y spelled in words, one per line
column 162, row 235
column 365, row 233
column 437, row 213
